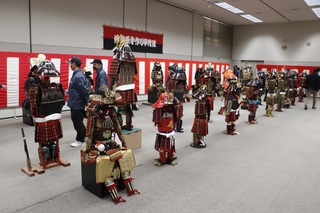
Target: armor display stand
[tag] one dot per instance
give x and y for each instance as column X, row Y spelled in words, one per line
column 47, row 164
column 46, row 102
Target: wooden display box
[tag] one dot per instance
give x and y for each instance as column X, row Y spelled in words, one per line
column 88, row 174
column 153, row 95
column 133, row 138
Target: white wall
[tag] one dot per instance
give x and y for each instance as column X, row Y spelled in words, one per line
column 14, row 25
column 75, row 27
column 264, row 42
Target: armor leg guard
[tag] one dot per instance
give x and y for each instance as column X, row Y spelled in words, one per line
column 113, row 191
column 252, row 118
column 209, row 116
column 46, row 155
column 163, row 156
column 128, row 125
column 300, row 98
column 233, row 129
column 293, row 101
column 179, row 126
column 171, row 158
column 197, row 142
column 228, row 131
column 128, row 181
column 269, row 113
column 279, row 108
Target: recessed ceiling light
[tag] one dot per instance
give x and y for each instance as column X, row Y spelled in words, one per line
column 312, row 2
column 251, row 18
column 317, row 11
column 229, row 7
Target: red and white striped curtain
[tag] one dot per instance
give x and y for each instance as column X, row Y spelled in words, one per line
column 15, row 66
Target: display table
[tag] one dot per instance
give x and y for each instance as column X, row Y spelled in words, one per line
column 153, row 95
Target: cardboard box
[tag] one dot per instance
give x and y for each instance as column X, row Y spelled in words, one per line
column 133, row 138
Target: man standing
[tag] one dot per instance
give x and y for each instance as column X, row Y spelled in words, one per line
column 312, row 85
column 101, row 77
column 78, row 93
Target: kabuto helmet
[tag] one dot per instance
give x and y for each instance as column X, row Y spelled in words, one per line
column 47, row 68
column 179, row 74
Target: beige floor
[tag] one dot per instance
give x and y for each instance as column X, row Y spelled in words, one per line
column 272, row 166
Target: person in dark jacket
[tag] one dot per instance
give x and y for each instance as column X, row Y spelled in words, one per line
column 312, row 85
column 78, row 93
column 101, row 78
column 2, row 86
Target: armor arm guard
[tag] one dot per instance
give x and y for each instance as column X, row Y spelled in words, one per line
column 117, row 127
column 228, row 107
column 157, row 115
column 89, row 132
column 153, row 76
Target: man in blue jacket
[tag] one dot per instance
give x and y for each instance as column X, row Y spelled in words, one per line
column 78, row 93
column 101, row 77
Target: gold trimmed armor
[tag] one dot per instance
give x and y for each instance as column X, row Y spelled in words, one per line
column 113, row 162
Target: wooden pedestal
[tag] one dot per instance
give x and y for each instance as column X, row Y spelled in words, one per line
column 41, row 167
column 133, row 138
column 153, row 95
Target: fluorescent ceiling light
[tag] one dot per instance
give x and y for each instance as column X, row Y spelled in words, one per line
column 317, row 11
column 251, row 18
column 229, row 7
column 312, row 2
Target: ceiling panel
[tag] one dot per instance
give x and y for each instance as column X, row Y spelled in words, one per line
column 269, row 11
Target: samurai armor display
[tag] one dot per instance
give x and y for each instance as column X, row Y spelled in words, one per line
column 200, row 126
column 157, row 115
column 200, row 108
column 127, row 96
column 252, row 107
column 114, row 66
column 52, row 100
column 164, row 143
column 126, row 75
column 171, row 85
column 232, row 117
column 290, row 82
column 179, row 110
column 166, row 125
column 272, row 83
column 48, row 131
